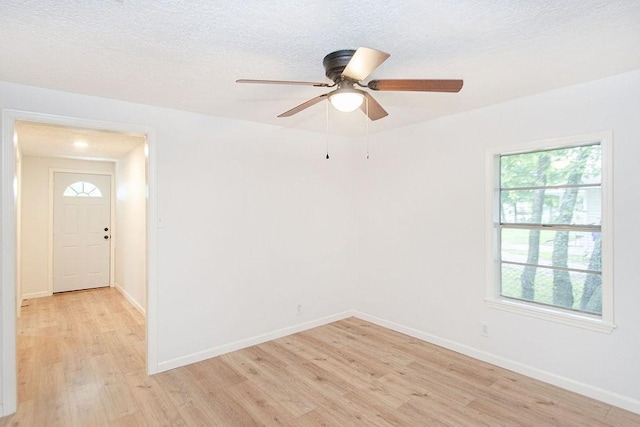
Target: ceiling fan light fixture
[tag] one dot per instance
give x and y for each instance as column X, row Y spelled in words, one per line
column 346, row 100
column 348, row 68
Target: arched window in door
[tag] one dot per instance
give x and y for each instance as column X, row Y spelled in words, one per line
column 82, row 189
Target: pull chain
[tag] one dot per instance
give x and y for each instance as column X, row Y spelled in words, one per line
column 327, row 128
column 366, row 119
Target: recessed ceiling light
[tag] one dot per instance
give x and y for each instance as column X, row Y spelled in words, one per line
column 80, row 144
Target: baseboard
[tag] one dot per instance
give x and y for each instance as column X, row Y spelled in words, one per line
column 36, row 295
column 129, row 298
column 258, row 339
column 605, row 396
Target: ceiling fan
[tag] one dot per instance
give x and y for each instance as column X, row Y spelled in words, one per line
column 347, row 69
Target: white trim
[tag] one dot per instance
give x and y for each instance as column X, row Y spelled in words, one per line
column 552, row 314
column 248, row 342
column 36, row 295
column 153, row 223
column 8, row 375
column 564, row 141
column 129, row 298
column 605, row 323
column 112, row 212
column 112, row 239
column 597, row 393
column 606, row 142
column 19, row 228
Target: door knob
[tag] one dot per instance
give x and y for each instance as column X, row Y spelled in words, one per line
column 106, row 237
column 106, row 229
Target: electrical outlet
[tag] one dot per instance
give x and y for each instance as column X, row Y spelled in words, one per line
column 484, row 329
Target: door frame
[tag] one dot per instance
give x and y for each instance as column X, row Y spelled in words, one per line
column 112, row 224
column 8, row 267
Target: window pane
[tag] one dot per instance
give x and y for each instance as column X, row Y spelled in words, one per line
column 571, row 290
column 77, row 187
column 579, row 250
column 574, row 166
column 551, row 206
column 82, row 189
column 69, row 192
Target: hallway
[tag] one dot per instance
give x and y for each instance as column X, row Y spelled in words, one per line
column 75, row 352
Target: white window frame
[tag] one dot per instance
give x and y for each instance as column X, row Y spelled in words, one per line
column 599, row 323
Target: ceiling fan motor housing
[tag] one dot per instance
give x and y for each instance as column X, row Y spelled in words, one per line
column 335, row 63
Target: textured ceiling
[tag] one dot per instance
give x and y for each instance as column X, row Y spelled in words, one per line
column 45, row 140
column 188, row 54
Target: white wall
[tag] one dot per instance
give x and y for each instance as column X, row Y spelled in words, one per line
column 254, row 220
column 35, row 234
column 421, row 202
column 130, row 230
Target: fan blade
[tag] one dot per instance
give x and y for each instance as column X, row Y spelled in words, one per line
column 309, row 103
column 374, row 110
column 417, row 85
column 283, row 82
column 363, row 62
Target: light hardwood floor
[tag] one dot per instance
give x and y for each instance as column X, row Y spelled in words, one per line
column 81, row 362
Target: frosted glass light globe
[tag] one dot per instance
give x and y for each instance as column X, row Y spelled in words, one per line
column 346, row 101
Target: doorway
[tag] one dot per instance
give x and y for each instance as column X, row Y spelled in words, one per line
column 81, row 231
column 11, row 151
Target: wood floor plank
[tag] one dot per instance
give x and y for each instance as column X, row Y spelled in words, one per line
column 131, row 420
column 279, row 384
column 51, row 381
column 114, row 392
column 197, row 413
column 216, row 371
column 400, row 343
column 126, row 350
column 548, row 403
column 24, row 416
column 262, row 408
column 226, row 407
column 85, row 406
column 52, row 411
column 27, row 374
column 81, row 362
column 369, row 345
column 383, row 408
column 151, row 400
column 314, row 384
column 313, row 419
column 204, row 384
column 357, row 372
column 620, row 418
column 179, row 386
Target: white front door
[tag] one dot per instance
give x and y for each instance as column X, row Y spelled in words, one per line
column 81, row 231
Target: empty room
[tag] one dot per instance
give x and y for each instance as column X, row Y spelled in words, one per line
column 321, row 213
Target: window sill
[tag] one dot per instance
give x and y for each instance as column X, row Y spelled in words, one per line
column 566, row 318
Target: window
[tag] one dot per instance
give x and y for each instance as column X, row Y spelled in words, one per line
column 82, row 189
column 550, row 236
